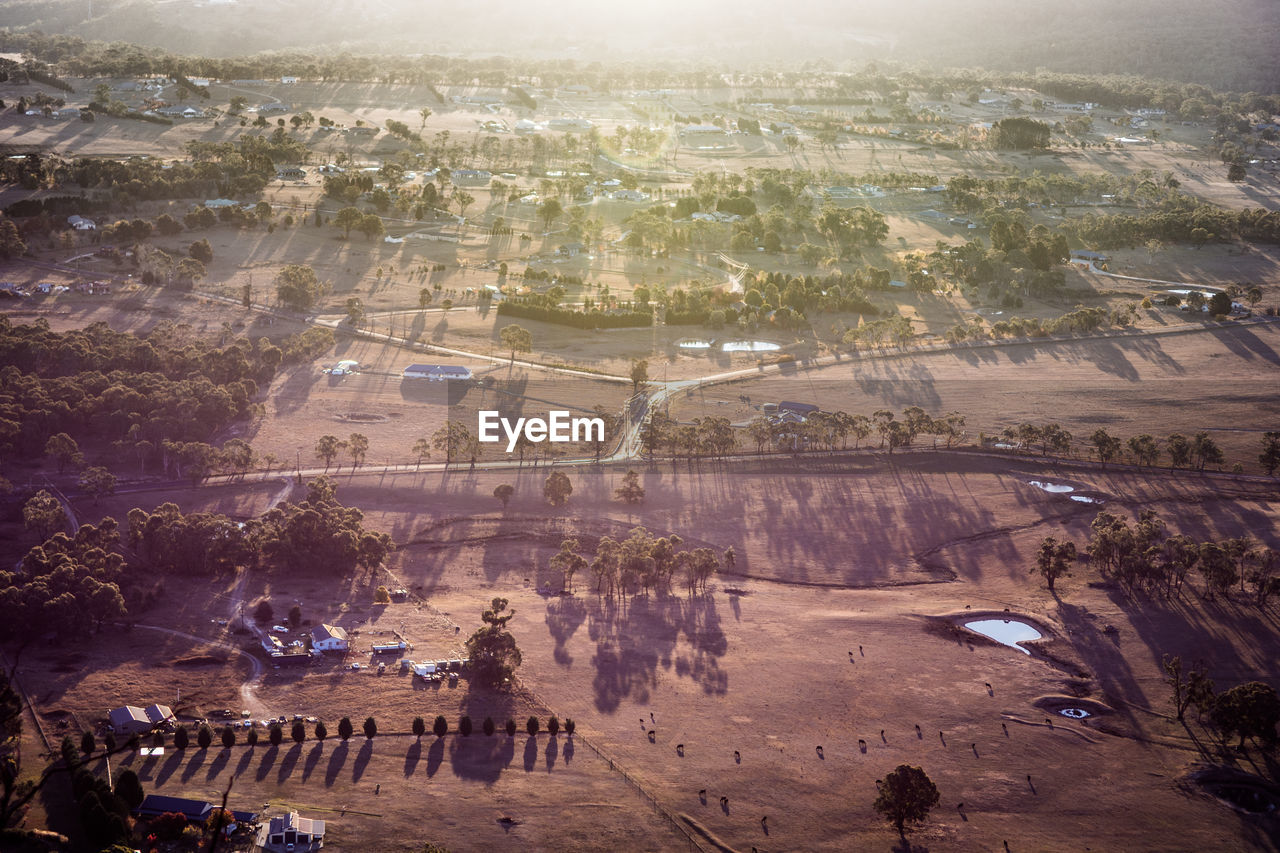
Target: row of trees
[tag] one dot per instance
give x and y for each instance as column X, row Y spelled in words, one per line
column 1144, row 556
column 1195, row 452
column 641, row 562
column 716, row 438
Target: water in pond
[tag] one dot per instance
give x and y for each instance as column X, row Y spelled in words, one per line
column 1056, row 488
column 694, row 344
column 748, row 346
column 1085, row 499
column 1005, row 631
column 1075, row 713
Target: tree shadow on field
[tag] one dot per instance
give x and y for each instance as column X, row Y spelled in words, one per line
column 292, row 394
column 483, row 758
column 170, row 765
column 268, row 761
column 362, row 761
column 193, row 765
column 1245, row 343
column 564, row 615
column 289, row 762
column 313, row 758
column 219, row 762
column 245, row 761
column 411, row 758
column 634, row 638
column 1104, row 658
column 905, row 846
column 435, row 757
column 530, row 754
column 336, row 761
column 551, row 753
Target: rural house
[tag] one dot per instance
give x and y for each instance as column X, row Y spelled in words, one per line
column 438, row 372
column 329, row 638
column 195, row 811
column 129, row 720
column 293, row 833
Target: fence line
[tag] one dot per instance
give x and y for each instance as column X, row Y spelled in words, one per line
column 680, row 826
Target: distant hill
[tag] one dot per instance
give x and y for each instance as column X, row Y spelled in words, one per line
column 1229, row 44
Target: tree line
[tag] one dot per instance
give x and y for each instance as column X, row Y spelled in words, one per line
column 134, row 393
column 1145, row 557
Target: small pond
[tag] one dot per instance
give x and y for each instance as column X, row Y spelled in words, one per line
column 1074, row 713
column 693, row 344
column 1056, row 488
column 749, row 346
column 1006, row 631
column 1085, row 499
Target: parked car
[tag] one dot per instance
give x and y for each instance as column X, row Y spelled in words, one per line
column 343, row 368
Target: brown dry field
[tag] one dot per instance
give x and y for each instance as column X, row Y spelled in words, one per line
column 828, row 630
column 1216, row 379
column 849, row 554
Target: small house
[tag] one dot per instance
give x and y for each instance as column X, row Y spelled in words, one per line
column 471, row 177
column 159, row 715
column 438, row 372
column 292, row 833
column 329, row 638
column 291, row 173
column 288, row 81
column 195, row 811
column 130, row 720
column 80, row 223
column 276, row 107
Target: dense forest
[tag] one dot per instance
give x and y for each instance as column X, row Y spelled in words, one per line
column 160, row 397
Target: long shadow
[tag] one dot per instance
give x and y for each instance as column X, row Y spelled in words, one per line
column 219, row 762
column 288, row 763
column 362, row 761
column 336, row 761
column 313, row 758
column 193, row 765
column 435, row 757
column 411, row 758
column 1104, row 658
column 530, row 754
column 245, row 760
column 481, row 758
column 632, row 641
column 551, row 753
column 170, row 765
column 568, row 751
column 268, row 761
column 564, row 615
